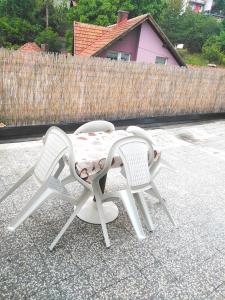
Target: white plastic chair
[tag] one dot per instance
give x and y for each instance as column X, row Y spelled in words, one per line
column 135, row 153
column 154, row 166
column 94, row 126
column 158, row 163
column 56, row 145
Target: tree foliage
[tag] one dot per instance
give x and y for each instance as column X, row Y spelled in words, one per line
column 49, row 37
column 18, row 8
column 214, row 48
column 104, row 12
column 171, row 19
column 189, row 28
column 24, row 21
column 16, row 31
column 219, row 6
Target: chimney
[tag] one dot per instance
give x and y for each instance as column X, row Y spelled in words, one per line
column 122, row 16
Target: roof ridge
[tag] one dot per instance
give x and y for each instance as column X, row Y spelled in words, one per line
column 90, row 25
column 129, row 20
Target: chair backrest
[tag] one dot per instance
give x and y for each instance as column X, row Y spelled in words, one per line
column 135, row 153
column 138, row 131
column 56, row 145
column 94, row 126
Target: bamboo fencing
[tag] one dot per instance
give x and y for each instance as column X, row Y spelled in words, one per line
column 48, row 88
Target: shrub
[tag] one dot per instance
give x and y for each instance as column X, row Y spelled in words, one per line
column 50, row 37
column 213, row 54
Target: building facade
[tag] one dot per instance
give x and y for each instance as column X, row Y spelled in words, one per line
column 198, row 5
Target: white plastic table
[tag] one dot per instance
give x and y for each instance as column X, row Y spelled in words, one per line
column 90, row 151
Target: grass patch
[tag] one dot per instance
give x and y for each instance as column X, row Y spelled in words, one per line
column 193, row 58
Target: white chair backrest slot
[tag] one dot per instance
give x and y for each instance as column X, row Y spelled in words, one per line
column 56, row 146
column 134, row 156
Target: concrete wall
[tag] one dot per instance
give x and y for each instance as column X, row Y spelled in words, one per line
column 150, row 46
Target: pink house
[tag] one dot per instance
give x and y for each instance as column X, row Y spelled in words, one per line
column 139, row 39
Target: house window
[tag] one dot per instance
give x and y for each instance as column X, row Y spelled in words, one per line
column 160, row 60
column 124, row 56
column 113, row 55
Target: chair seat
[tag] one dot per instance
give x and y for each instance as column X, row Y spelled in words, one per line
column 89, row 178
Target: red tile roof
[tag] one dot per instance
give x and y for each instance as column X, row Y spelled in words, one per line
column 85, row 35
column 90, row 40
column 30, row 47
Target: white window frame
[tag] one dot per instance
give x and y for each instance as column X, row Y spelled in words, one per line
column 166, row 60
column 119, row 55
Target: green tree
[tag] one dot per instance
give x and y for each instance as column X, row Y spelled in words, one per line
column 213, row 54
column 219, row 6
column 190, row 29
column 19, row 19
column 213, row 48
column 221, row 40
column 196, row 29
column 171, row 19
column 50, row 37
column 100, row 12
column 16, row 31
column 154, row 7
column 18, row 8
column 104, row 12
column 59, row 18
column 40, row 15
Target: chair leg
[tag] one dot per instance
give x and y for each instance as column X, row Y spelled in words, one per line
column 162, row 202
column 41, row 195
column 129, row 204
column 17, row 184
column 79, row 205
column 60, row 168
column 102, row 220
column 98, row 198
column 145, row 211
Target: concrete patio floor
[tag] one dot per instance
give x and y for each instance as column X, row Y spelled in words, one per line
column 171, row 263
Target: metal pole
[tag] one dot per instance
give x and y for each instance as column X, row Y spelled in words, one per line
column 47, row 14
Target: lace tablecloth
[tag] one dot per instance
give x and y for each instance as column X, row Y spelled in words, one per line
column 91, row 150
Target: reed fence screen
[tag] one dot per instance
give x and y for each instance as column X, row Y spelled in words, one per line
column 48, row 88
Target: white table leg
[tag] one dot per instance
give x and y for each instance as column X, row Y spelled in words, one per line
column 89, row 212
